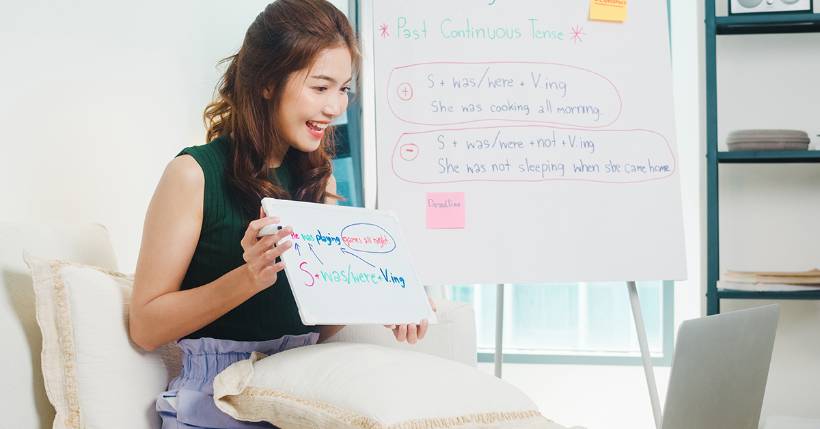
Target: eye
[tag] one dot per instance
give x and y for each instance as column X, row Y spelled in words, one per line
column 345, row 89
column 320, row 88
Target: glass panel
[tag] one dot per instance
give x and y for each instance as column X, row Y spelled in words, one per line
column 609, row 324
column 343, row 165
column 543, row 316
column 342, row 5
column 565, row 317
column 651, row 295
column 347, row 127
column 482, row 298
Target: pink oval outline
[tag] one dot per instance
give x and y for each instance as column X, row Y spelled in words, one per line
column 615, row 88
column 665, row 140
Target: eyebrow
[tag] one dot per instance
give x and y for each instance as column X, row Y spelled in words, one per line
column 328, row 78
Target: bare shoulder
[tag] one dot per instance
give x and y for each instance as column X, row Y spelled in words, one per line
column 180, row 192
column 183, row 171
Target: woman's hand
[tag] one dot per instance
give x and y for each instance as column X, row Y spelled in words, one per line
column 260, row 253
column 411, row 332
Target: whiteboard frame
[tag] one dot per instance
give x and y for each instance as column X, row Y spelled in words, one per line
column 364, row 19
column 291, row 271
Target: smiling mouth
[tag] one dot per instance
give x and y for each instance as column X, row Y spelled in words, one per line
column 315, row 126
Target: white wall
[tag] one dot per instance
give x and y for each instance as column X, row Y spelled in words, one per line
column 98, row 97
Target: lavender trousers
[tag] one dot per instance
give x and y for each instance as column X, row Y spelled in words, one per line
column 189, row 403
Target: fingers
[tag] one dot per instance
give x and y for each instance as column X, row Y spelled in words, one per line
column 251, row 253
column 401, row 333
column 264, row 244
column 269, row 256
column 261, row 258
column 412, row 334
column 252, row 232
column 423, row 329
column 260, row 253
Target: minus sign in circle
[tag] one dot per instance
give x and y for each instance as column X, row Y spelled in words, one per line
column 409, row 151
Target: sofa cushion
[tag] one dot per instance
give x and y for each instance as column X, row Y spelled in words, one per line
column 25, row 404
column 95, row 377
column 365, row 386
column 453, row 337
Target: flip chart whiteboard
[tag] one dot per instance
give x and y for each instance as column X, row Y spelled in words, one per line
column 348, row 265
column 519, row 141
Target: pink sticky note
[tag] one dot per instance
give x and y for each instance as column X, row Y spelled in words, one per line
column 445, row 210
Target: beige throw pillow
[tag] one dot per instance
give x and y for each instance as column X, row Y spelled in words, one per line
column 365, row 386
column 94, row 376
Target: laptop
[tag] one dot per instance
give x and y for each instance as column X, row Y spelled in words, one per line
column 719, row 370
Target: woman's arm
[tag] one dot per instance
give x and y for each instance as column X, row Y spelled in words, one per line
column 160, row 312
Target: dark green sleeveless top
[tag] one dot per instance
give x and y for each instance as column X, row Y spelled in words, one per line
column 267, row 315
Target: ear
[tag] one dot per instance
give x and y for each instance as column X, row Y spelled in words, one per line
column 267, row 93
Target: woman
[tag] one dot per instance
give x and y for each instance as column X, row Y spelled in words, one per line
column 203, row 276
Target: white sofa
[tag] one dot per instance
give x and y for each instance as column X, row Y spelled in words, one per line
column 23, row 400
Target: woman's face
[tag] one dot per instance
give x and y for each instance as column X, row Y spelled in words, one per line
column 313, row 97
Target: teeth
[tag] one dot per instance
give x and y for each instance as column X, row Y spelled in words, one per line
column 319, row 127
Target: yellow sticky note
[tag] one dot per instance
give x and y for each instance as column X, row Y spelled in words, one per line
column 607, row 10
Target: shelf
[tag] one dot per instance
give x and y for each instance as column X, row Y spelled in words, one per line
column 759, row 23
column 769, row 157
column 768, row 23
column 739, row 294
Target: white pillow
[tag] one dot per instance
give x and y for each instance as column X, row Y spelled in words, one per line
column 25, row 404
column 365, row 386
column 453, row 337
column 94, row 376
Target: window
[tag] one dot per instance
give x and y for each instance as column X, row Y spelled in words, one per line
column 571, row 322
column 347, row 161
column 347, row 166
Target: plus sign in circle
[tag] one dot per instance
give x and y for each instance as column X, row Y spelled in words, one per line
column 405, row 91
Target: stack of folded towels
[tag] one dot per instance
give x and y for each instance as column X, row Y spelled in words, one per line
column 768, row 140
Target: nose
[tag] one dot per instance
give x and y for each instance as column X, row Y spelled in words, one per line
column 335, row 105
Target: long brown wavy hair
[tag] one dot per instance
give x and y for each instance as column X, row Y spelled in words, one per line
column 285, row 38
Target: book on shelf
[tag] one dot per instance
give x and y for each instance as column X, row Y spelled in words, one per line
column 810, row 277
column 765, row 287
column 781, row 281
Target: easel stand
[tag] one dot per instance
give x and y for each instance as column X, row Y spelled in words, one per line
column 640, row 328
column 499, row 328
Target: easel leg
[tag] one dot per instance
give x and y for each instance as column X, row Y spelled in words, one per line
column 499, row 327
column 640, row 328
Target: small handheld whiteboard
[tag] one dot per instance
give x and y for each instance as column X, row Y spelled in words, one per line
column 348, row 265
